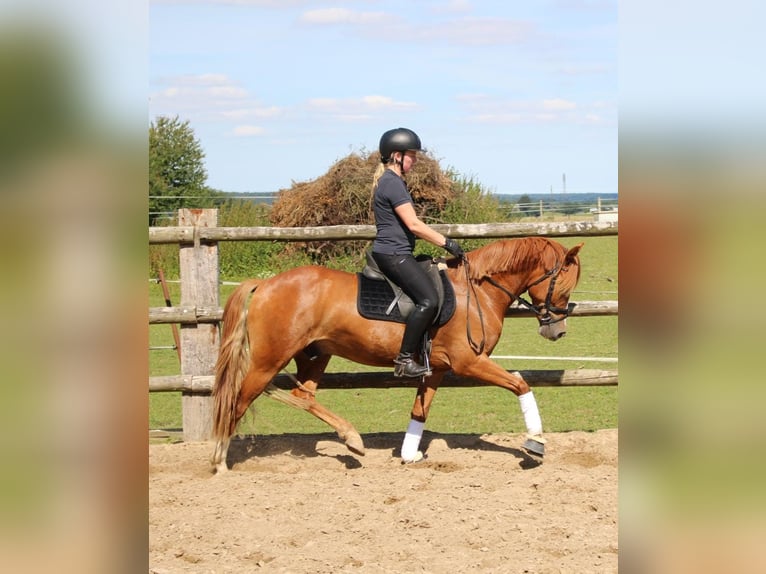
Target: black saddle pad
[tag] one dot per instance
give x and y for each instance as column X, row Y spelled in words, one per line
column 375, row 297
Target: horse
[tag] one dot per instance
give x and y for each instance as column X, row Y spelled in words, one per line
column 309, row 313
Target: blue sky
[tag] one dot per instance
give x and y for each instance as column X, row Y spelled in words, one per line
column 514, row 94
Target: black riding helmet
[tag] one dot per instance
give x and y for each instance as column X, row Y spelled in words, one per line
column 399, row 139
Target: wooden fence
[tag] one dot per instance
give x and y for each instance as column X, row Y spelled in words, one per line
column 199, row 312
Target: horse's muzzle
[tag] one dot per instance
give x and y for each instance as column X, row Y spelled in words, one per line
column 553, row 331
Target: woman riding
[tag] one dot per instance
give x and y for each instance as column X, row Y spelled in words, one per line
column 398, row 226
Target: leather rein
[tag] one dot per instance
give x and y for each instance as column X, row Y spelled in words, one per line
column 543, row 312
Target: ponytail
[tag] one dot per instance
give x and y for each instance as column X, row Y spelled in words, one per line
column 381, row 169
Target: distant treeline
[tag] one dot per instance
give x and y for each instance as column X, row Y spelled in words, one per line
column 557, row 197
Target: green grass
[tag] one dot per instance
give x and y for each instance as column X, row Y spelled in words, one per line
column 465, row 410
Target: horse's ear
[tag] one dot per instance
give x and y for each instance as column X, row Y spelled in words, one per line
column 572, row 254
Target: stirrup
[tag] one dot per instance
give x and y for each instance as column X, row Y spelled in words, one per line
column 407, row 367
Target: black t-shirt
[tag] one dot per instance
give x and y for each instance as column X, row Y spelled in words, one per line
column 393, row 237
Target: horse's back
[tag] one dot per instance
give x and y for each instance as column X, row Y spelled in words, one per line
column 316, row 274
column 309, row 285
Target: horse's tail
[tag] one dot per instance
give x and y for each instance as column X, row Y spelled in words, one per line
column 233, row 361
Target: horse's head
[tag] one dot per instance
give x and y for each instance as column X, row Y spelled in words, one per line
column 544, row 269
column 550, row 294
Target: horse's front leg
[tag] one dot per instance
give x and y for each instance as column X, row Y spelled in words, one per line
column 485, row 369
column 411, row 444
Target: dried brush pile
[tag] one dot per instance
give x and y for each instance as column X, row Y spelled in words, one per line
column 343, row 196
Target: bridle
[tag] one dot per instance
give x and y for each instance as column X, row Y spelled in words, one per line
column 545, row 311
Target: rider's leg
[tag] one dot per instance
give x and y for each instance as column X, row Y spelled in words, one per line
column 420, row 318
column 406, row 272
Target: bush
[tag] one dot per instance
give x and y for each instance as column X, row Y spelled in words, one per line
column 243, row 259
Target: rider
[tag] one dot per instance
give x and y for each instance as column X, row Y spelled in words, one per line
column 397, row 227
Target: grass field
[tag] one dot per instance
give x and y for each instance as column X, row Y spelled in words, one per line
column 471, row 410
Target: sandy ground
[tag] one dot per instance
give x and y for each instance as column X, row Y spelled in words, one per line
column 305, row 504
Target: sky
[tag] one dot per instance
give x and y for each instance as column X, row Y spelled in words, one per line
column 519, row 96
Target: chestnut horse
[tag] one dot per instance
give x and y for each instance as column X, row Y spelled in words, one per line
column 310, row 314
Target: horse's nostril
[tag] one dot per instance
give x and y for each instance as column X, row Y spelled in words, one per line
column 561, row 335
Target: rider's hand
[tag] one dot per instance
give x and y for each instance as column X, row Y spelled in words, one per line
column 453, row 247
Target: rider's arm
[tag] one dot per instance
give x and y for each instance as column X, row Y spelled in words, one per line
column 406, row 213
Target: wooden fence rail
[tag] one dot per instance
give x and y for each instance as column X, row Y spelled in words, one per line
column 386, row 380
column 201, row 234
column 201, row 314
column 199, row 311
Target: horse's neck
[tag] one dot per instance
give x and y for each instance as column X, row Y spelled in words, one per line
column 509, row 284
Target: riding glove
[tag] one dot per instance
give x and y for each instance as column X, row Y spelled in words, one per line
column 454, row 248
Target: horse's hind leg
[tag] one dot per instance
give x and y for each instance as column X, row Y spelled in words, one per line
column 219, row 455
column 252, row 386
column 309, row 372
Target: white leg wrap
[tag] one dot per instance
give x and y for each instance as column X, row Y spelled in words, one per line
column 412, row 440
column 531, row 414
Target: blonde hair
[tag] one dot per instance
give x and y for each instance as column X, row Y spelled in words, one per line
column 381, row 169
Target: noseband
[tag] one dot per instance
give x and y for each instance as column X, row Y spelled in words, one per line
column 544, row 311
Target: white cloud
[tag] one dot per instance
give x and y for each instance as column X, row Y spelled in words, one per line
column 253, row 112
column 357, row 106
column 191, row 88
column 325, row 16
column 323, row 103
column 353, row 118
column 476, row 32
column 496, row 118
column 247, row 131
column 586, row 69
column 482, row 108
column 203, row 79
column 227, row 92
column 478, row 97
column 382, row 102
column 207, row 97
column 453, row 6
column 558, row 104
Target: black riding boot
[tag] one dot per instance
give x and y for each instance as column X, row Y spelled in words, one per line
column 418, row 322
column 406, row 366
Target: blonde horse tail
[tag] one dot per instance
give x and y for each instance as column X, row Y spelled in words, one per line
column 231, row 367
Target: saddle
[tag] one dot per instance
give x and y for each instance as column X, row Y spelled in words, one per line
column 381, row 299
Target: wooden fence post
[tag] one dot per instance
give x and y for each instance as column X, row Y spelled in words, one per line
column 199, row 341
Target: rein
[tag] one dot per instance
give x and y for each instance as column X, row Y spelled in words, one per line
column 542, row 312
column 478, row 349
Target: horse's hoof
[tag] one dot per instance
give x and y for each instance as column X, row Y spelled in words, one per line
column 419, row 456
column 535, row 447
column 354, row 443
column 220, row 468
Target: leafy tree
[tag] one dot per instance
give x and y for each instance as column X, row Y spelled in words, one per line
column 177, row 175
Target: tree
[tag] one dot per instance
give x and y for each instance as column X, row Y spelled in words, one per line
column 177, row 175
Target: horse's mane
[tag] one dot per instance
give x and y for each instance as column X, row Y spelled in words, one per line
column 516, row 255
